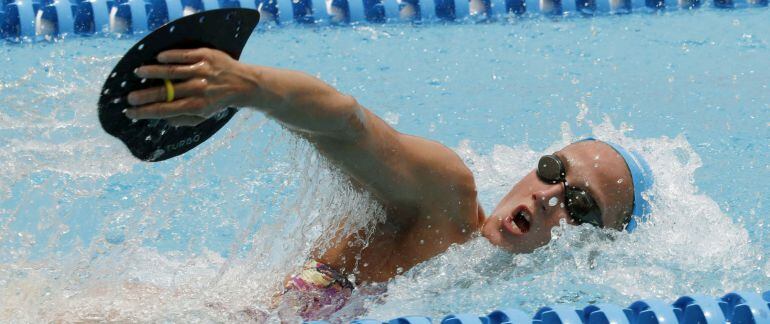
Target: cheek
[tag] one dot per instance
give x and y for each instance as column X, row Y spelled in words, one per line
column 542, row 234
column 554, row 217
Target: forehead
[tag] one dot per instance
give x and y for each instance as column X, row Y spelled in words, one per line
column 597, row 168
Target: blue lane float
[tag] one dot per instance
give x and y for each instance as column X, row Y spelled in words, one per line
column 35, row 19
column 734, row 308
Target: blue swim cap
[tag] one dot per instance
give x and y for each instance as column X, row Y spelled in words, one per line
column 641, row 175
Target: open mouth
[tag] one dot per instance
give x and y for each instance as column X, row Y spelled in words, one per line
column 522, row 220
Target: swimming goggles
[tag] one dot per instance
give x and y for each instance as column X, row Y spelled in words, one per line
column 580, row 206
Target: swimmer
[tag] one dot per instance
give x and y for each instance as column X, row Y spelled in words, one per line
column 428, row 193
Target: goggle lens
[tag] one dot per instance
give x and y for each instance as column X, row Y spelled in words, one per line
column 550, row 169
column 580, row 206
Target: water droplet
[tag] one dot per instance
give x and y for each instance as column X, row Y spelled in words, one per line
column 422, row 242
column 620, row 180
column 141, row 47
column 553, row 201
column 123, row 84
column 113, row 74
column 171, row 30
column 201, row 20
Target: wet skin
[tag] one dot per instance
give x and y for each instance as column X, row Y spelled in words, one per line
column 428, row 193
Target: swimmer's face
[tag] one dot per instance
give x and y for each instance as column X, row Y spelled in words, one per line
column 522, row 221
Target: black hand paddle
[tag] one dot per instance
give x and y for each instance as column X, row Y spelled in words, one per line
column 226, row 30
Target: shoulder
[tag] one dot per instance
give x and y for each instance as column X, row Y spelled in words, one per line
column 449, row 185
column 438, row 166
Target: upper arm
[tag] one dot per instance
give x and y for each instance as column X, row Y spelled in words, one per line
column 399, row 169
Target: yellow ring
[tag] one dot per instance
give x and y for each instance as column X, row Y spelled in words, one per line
column 169, row 90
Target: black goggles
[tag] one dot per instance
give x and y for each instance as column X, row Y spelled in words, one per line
column 580, row 206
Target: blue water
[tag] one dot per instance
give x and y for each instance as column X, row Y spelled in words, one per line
column 89, row 233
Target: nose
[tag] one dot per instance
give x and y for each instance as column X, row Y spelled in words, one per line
column 549, row 197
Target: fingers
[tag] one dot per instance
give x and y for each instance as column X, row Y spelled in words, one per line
column 182, row 121
column 184, row 56
column 182, row 64
column 192, row 106
column 185, row 89
column 189, row 105
column 172, row 72
column 178, row 64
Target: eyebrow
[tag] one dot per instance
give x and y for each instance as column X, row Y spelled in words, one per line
column 589, row 189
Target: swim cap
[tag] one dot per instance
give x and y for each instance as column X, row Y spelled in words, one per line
column 641, row 175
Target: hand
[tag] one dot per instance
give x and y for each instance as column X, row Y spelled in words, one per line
column 211, row 83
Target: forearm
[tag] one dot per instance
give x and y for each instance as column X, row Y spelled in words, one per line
column 301, row 102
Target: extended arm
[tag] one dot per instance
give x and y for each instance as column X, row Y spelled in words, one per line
column 400, row 170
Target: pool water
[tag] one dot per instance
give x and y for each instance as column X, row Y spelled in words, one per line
column 89, row 233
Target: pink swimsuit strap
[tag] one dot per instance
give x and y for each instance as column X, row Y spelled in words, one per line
column 323, row 289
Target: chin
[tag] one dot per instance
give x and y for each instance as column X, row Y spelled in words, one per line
column 502, row 244
column 496, row 237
